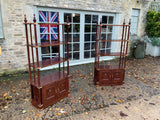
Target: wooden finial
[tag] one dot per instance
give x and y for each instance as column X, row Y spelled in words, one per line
column 34, row 18
column 25, row 19
column 97, row 21
column 129, row 21
column 67, row 19
column 124, row 21
column 101, row 21
column 57, row 19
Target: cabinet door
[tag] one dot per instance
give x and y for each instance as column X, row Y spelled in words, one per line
column 62, row 87
column 117, row 76
column 106, row 77
column 49, row 93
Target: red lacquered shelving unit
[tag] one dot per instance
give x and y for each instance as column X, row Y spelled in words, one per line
column 47, row 90
column 108, row 74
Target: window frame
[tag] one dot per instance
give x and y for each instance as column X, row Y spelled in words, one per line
column 61, row 12
column 138, row 19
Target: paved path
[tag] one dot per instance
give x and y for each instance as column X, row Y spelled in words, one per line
column 141, row 109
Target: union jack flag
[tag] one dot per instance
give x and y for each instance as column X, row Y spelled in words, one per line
column 53, row 31
column 53, row 17
column 43, row 16
column 44, row 30
column 48, row 31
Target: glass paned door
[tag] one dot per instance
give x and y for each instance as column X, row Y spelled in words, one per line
column 48, row 33
column 90, row 35
column 74, row 35
column 82, row 33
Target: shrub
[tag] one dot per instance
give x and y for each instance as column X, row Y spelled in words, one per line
column 153, row 27
column 155, row 41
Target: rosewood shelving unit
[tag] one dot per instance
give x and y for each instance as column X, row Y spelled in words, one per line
column 106, row 73
column 47, row 90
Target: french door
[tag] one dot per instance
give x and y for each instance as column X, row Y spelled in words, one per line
column 82, row 33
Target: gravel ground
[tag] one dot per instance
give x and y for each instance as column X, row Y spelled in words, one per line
column 142, row 80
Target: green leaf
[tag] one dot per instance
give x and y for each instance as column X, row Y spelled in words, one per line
column 24, row 111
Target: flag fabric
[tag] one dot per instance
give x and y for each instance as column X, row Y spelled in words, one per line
column 53, row 17
column 48, row 32
column 53, row 31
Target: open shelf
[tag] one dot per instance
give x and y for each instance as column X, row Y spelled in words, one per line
column 111, row 67
column 46, row 44
column 48, row 62
column 113, row 40
column 112, row 54
column 49, row 79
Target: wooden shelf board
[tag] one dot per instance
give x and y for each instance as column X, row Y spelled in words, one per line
column 112, row 54
column 48, row 62
column 46, row 44
column 109, row 67
column 113, row 40
column 48, row 79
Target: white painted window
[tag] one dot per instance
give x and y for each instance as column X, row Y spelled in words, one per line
column 134, row 21
column 82, row 33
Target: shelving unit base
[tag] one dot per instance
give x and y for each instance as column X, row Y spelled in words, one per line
column 49, row 93
column 109, row 75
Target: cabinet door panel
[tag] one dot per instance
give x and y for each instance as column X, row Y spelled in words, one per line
column 50, row 92
column 62, row 88
column 106, row 77
column 117, row 76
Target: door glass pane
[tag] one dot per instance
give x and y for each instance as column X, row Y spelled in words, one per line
column 69, row 17
column 103, row 36
column 102, row 45
column 45, row 50
column 92, row 53
column 86, row 54
column 76, row 27
column 55, row 49
column 87, row 46
column 108, row 44
column 94, row 18
column 93, row 45
column 93, row 28
column 87, row 28
column 87, row 18
column 87, row 37
column 110, row 20
column 109, row 36
column 70, row 47
column 76, row 55
column 93, row 37
column 110, row 28
column 104, row 29
column 76, row 18
column 75, row 37
column 76, row 47
column 69, row 37
column 104, row 19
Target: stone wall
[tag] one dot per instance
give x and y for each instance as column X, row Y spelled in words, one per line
column 14, row 56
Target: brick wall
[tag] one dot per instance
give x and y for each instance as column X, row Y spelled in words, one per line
column 14, row 56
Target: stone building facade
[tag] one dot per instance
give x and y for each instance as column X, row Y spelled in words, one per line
column 14, row 53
